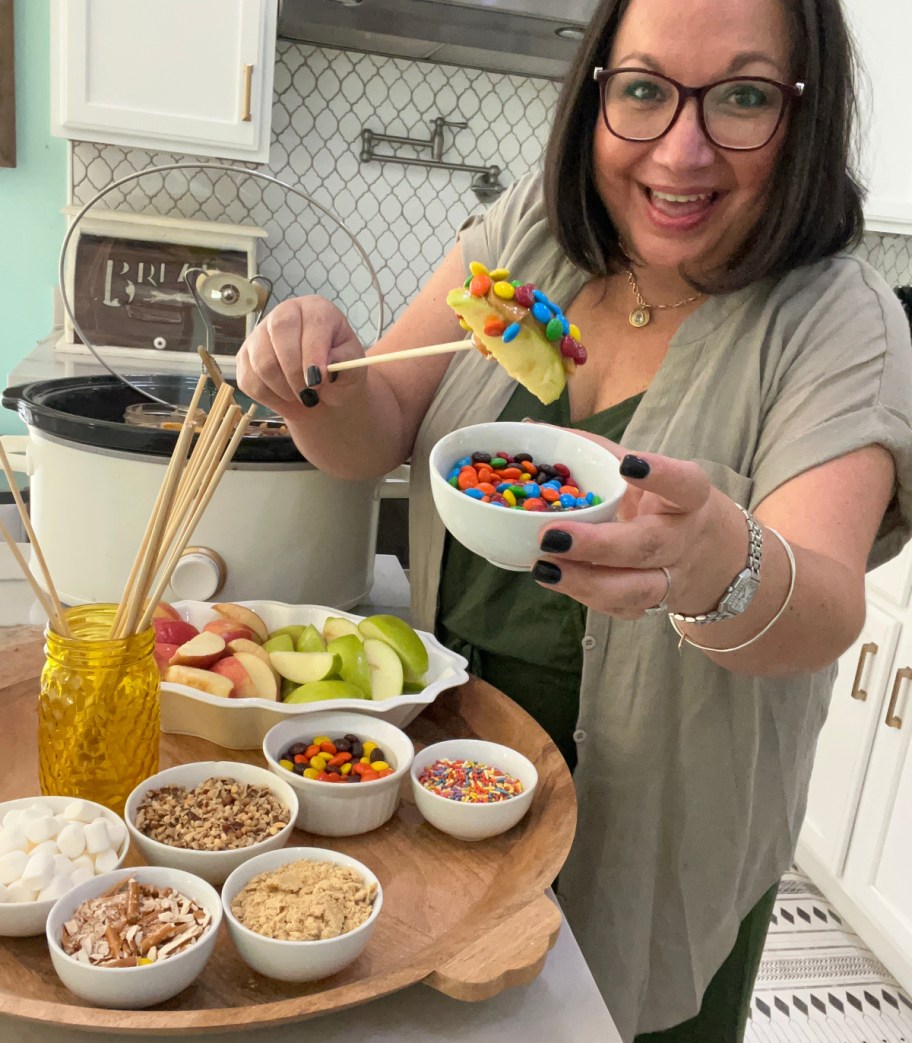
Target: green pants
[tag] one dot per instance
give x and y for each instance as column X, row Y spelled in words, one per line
column 726, row 1002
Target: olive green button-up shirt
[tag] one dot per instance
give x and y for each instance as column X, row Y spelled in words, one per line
column 691, row 780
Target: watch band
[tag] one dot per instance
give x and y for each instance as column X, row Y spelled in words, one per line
column 740, row 592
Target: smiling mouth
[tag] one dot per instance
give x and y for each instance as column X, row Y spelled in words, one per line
column 678, row 204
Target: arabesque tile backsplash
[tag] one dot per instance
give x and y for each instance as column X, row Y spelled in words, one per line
column 404, row 217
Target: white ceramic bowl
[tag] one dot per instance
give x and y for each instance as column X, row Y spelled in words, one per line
column 133, row 988
column 297, row 961
column 212, row 866
column 241, row 724
column 474, row 821
column 21, row 919
column 510, row 538
column 333, row 809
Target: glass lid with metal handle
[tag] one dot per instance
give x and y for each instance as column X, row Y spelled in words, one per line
column 145, row 291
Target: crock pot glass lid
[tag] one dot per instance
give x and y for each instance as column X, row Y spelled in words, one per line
column 153, row 293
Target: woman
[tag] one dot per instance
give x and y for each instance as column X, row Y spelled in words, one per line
column 773, row 377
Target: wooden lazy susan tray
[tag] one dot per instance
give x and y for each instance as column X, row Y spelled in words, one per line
column 468, row 919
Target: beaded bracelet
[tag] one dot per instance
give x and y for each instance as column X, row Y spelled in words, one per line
column 737, row 648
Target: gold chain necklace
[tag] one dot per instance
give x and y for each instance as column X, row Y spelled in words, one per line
column 642, row 313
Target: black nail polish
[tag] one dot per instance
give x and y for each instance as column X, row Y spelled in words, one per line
column 309, row 398
column 546, row 572
column 556, row 541
column 313, row 376
column 634, row 467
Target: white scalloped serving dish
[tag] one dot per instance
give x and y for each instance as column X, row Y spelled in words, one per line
column 241, row 724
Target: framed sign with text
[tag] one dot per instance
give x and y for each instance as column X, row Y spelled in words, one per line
column 124, row 278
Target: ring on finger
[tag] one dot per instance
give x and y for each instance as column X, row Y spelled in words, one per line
column 662, row 606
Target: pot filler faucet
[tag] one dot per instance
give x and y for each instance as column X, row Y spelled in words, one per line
column 486, row 182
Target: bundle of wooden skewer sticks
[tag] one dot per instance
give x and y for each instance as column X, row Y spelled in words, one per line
column 190, row 481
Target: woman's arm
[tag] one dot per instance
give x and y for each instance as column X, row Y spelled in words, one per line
column 674, row 519
column 365, row 422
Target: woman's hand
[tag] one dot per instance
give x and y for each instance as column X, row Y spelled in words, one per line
column 282, row 364
column 670, row 518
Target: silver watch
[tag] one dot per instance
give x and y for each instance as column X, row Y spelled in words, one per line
column 740, row 592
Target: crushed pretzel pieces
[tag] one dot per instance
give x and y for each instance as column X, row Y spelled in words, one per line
column 305, row 901
column 217, row 815
column 133, row 924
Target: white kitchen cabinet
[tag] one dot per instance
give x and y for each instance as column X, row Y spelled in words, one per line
column 882, row 29
column 170, row 75
column 856, row 842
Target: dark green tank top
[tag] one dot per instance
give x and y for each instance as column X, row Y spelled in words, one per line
column 518, row 636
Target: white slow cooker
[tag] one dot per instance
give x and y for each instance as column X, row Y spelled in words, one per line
column 276, row 529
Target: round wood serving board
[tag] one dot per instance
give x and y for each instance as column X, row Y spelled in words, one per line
column 467, row 919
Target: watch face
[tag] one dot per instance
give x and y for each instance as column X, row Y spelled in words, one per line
column 741, row 594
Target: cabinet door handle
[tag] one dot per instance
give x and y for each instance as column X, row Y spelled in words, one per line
column 891, row 720
column 247, row 90
column 870, row 648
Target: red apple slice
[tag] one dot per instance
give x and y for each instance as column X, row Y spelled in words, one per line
column 241, row 644
column 233, row 670
column 244, row 615
column 200, row 651
column 230, row 630
column 203, row 680
column 165, row 611
column 173, row 631
column 264, row 678
column 163, row 654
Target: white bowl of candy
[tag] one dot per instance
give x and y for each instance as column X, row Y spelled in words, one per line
column 501, row 517
column 472, row 789
column 47, row 846
column 164, row 928
column 302, row 913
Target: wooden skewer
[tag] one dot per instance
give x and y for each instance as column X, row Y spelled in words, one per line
column 212, row 367
column 58, row 621
column 128, row 607
column 57, row 616
column 190, row 525
column 395, row 356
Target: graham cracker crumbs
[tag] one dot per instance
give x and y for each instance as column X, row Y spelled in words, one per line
column 305, row 901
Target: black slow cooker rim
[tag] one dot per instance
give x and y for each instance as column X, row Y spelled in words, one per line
column 29, row 401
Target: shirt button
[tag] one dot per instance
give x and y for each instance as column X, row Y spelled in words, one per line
column 588, row 642
column 579, row 735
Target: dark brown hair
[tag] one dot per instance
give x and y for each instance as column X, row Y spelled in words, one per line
column 814, row 205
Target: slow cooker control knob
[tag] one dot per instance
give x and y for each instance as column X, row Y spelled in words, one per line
column 199, row 575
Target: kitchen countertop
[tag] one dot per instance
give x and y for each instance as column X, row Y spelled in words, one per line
column 562, row 1000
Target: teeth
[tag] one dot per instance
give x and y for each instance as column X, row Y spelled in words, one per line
column 680, row 199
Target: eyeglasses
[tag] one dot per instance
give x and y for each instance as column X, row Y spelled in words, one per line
column 741, row 113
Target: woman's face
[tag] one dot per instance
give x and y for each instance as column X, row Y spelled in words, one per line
column 694, row 42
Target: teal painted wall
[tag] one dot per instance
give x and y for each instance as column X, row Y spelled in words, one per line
column 31, row 196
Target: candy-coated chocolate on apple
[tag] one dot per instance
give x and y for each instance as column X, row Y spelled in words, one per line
column 203, row 680
column 404, row 641
column 317, row 691
column 385, row 669
column 200, row 651
column 173, row 631
column 242, row 614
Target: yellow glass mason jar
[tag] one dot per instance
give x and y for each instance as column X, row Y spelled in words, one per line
column 98, row 709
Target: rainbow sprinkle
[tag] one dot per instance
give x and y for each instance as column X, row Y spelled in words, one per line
column 469, row 782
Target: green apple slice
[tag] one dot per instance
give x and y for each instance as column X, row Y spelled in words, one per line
column 279, row 643
column 292, row 631
column 354, row 668
column 317, row 691
column 302, row 667
column 310, row 640
column 336, row 626
column 385, row 669
column 404, row 641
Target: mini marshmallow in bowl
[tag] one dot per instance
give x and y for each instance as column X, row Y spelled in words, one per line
column 47, row 846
